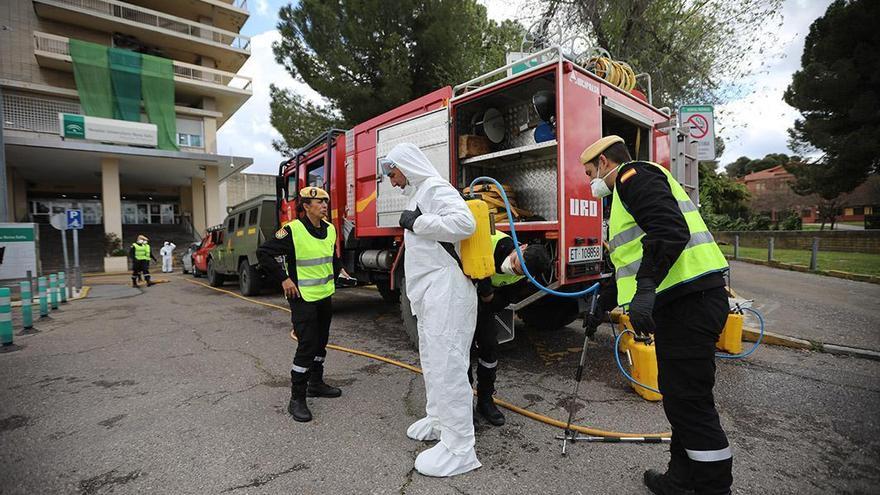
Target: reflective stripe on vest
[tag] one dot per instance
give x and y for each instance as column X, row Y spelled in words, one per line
column 699, row 257
column 141, row 251
column 501, row 279
column 314, row 262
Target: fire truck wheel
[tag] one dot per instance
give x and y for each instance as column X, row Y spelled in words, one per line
column 248, row 279
column 410, row 324
column 390, row 296
column 551, row 314
column 214, row 279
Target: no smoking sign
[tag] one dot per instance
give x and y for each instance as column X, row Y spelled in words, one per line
column 702, row 128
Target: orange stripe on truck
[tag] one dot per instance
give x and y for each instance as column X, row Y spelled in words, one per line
column 362, row 204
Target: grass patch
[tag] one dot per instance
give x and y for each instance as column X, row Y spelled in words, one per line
column 866, row 264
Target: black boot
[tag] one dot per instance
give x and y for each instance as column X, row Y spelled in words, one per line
column 317, row 387
column 134, row 282
column 149, row 283
column 485, row 389
column 297, row 406
column 676, row 479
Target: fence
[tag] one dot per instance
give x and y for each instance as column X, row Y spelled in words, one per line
column 848, row 241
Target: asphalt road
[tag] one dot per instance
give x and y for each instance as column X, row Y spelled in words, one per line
column 181, row 389
column 813, row 307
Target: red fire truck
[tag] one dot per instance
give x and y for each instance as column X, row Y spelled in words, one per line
column 543, row 170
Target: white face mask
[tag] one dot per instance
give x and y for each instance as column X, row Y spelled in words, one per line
column 408, row 190
column 598, row 186
column 141, row 241
column 507, row 266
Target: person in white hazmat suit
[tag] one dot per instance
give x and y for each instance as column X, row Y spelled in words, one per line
column 444, row 302
column 166, row 251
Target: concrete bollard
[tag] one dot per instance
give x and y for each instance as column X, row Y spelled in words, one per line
column 62, row 287
column 736, row 247
column 41, row 293
column 770, row 249
column 53, row 291
column 814, row 255
column 27, row 312
column 5, row 317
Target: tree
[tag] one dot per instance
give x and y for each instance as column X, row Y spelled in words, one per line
column 693, row 50
column 368, row 56
column 837, row 91
column 744, row 166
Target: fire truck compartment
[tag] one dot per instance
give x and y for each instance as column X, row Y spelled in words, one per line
column 517, row 160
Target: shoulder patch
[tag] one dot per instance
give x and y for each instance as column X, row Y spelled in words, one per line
column 626, row 175
column 282, row 233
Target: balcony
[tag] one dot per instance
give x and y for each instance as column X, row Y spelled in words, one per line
column 180, row 39
column 225, row 14
column 191, row 82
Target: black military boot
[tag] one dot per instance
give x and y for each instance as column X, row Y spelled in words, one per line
column 317, row 387
column 485, row 389
column 134, row 282
column 297, row 406
column 676, row 480
column 149, row 283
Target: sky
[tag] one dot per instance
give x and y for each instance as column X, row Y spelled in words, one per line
column 753, row 125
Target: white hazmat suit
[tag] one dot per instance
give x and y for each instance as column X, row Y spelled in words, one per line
column 444, row 301
column 166, row 251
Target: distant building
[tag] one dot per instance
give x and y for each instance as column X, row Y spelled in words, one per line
column 771, row 193
column 240, row 187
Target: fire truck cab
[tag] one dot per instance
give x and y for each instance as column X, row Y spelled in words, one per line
column 530, row 121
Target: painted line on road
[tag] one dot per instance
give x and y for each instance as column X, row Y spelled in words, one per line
column 524, row 412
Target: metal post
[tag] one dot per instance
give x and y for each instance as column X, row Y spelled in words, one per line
column 814, row 256
column 27, row 311
column 770, row 250
column 736, row 247
column 41, row 293
column 5, row 317
column 62, row 286
column 77, row 272
column 53, row 291
column 66, row 261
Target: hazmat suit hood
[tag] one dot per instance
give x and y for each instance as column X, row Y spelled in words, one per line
column 413, row 163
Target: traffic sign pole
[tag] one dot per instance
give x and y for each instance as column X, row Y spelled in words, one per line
column 78, row 274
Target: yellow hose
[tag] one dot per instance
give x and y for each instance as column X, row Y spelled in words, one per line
column 524, row 412
column 619, row 74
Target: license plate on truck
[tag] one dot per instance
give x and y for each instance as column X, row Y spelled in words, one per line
column 584, row 253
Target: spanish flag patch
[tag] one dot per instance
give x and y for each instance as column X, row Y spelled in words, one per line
column 281, row 234
column 626, row 175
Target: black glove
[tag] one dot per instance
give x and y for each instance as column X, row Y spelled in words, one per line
column 641, row 309
column 484, row 287
column 408, row 218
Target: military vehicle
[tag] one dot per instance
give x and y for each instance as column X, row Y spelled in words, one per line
column 247, row 225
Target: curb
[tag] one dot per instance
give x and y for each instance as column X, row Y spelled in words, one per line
column 858, row 277
column 770, row 338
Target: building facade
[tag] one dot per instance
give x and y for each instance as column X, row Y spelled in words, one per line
column 113, row 107
column 240, row 187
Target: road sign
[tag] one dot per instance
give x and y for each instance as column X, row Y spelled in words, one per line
column 74, row 219
column 701, row 119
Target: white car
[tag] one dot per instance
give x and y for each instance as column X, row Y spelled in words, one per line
column 187, row 257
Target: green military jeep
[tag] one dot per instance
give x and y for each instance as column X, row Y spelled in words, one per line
column 247, row 225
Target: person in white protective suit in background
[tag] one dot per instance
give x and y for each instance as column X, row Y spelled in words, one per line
column 166, row 251
column 444, row 302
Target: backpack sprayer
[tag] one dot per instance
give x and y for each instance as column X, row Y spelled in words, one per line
column 478, row 262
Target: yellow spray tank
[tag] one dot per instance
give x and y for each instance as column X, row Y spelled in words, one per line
column 731, row 335
column 643, row 362
column 477, row 259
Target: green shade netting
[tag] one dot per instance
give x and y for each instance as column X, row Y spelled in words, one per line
column 91, row 70
column 157, row 86
column 125, row 75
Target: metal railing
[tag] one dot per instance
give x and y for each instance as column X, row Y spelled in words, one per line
column 59, row 45
column 158, row 20
column 26, row 113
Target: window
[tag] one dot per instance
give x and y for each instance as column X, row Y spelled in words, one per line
column 241, row 220
column 848, row 212
column 869, row 210
column 859, row 210
column 252, row 216
column 230, row 226
column 189, row 140
column 316, row 175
